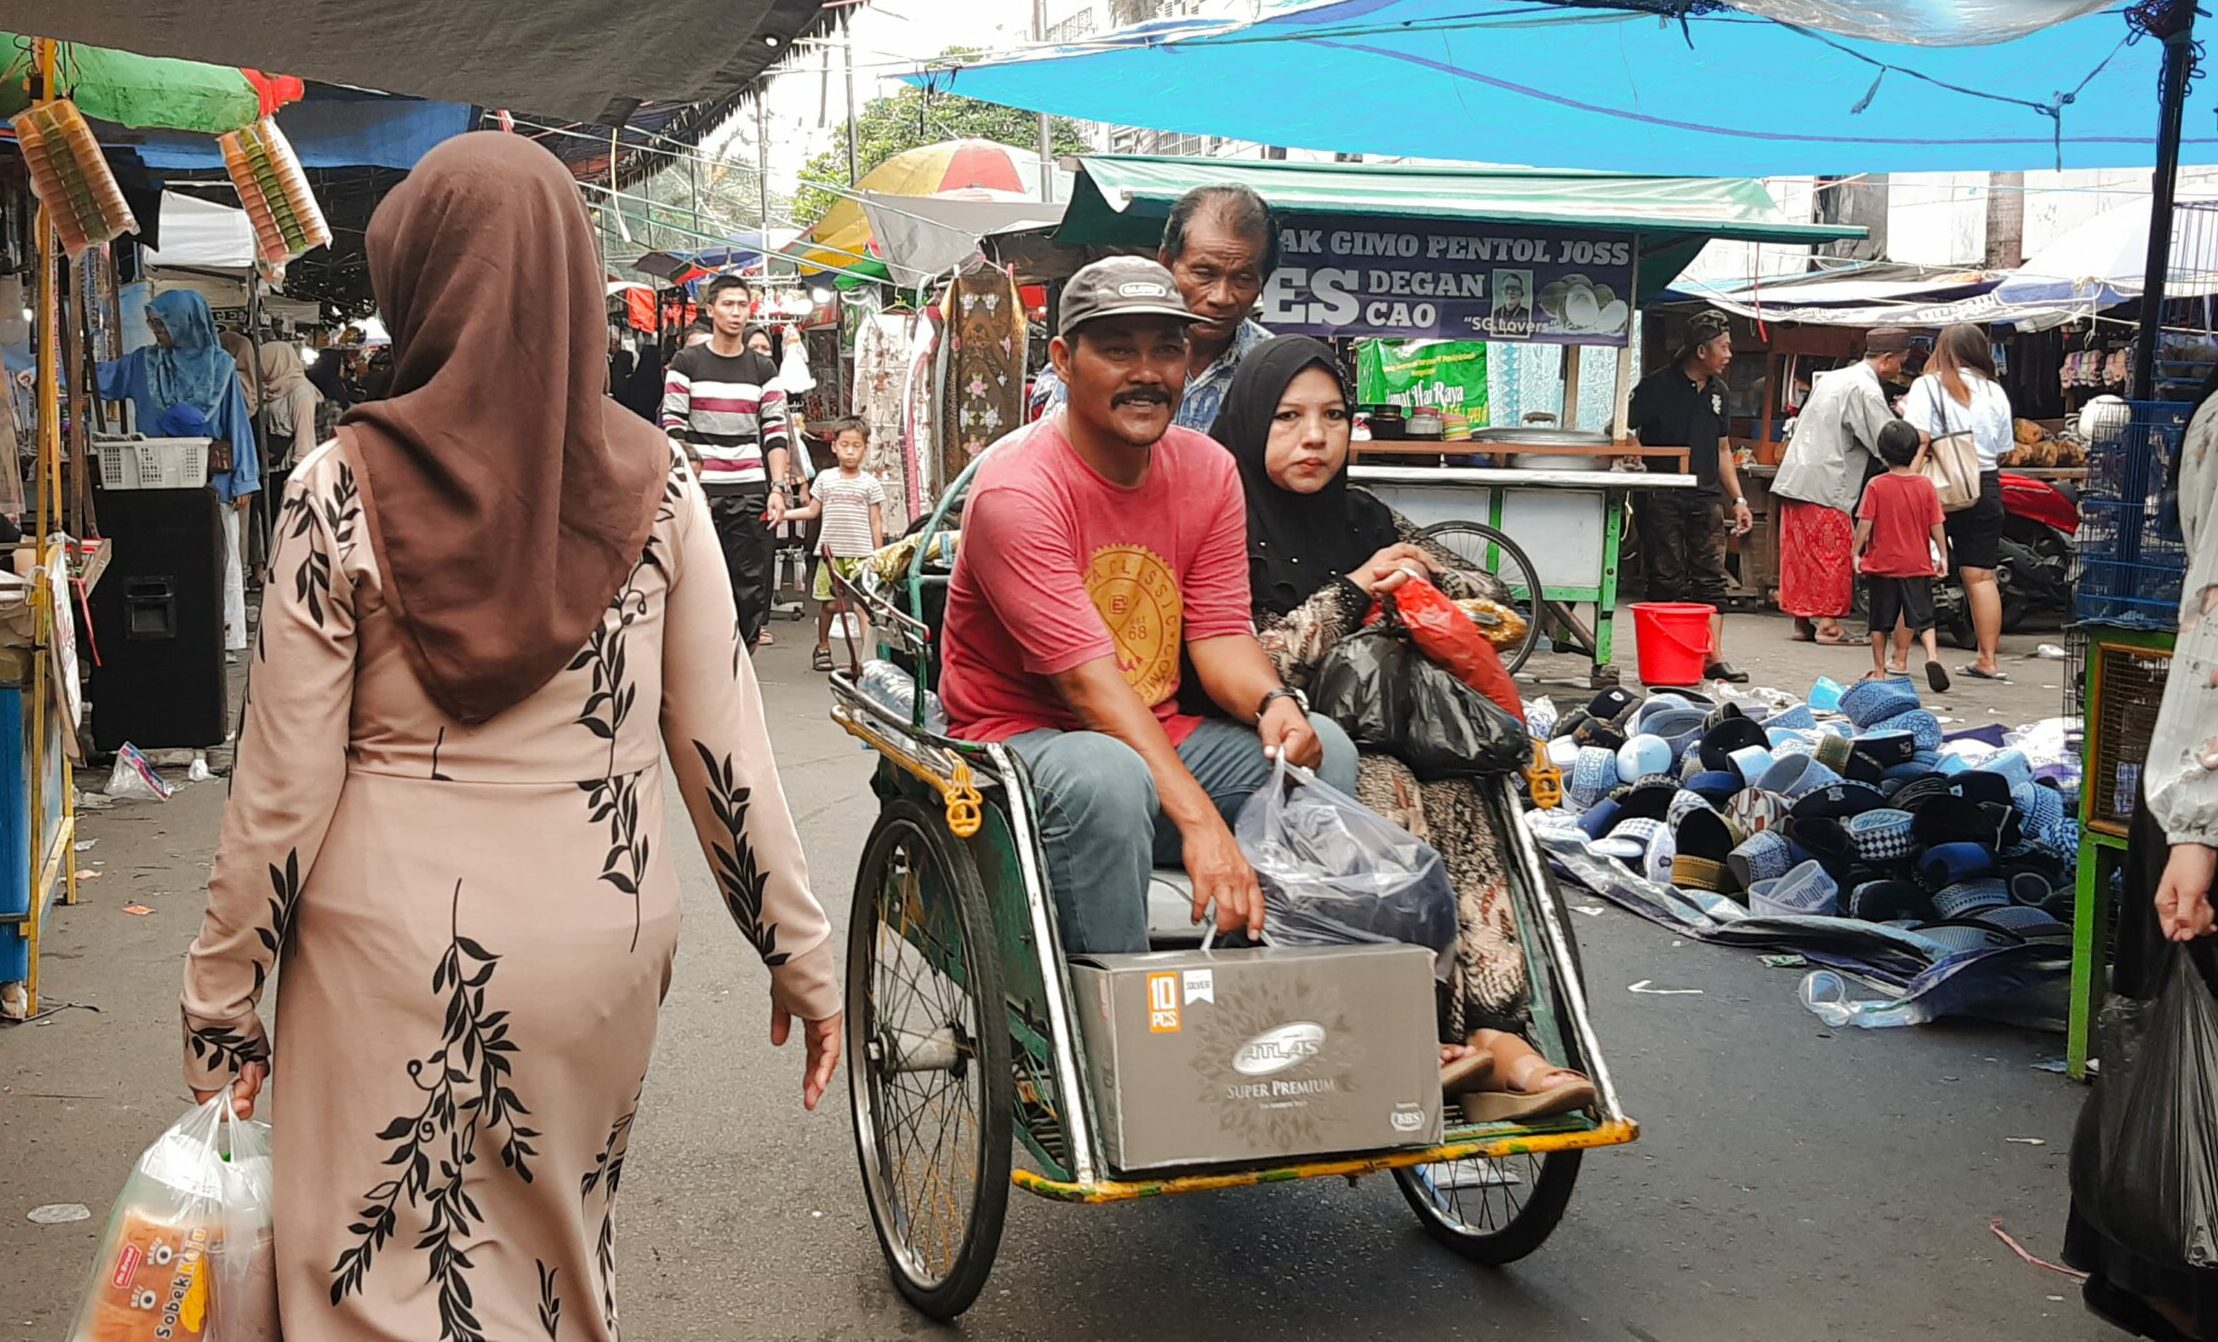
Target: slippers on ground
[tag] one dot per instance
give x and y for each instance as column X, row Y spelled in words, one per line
column 821, row 660
column 1569, row 1095
column 1838, row 638
column 1936, row 675
column 1974, row 673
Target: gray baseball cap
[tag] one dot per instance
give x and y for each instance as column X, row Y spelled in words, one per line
column 1120, row 286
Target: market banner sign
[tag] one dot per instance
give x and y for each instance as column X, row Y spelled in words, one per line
column 1444, row 375
column 1406, row 279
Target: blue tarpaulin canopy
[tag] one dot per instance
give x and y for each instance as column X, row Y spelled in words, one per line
column 1719, row 94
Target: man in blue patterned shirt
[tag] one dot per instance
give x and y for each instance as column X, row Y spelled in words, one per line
column 1221, row 245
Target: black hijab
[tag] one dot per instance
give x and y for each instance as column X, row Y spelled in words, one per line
column 1297, row 543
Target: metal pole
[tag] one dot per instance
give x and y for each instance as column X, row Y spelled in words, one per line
column 1047, row 144
column 762, row 165
column 2179, row 56
column 847, row 51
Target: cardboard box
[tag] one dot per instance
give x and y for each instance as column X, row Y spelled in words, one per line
column 1208, row 1057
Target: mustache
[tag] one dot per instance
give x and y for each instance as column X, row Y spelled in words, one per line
column 1141, row 396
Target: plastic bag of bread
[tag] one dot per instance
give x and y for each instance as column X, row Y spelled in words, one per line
column 1502, row 625
column 187, row 1252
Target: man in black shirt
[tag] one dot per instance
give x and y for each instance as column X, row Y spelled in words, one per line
column 1683, row 531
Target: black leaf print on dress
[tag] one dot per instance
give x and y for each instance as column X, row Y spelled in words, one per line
column 608, row 1174
column 226, row 1049
column 738, row 877
column 466, row 1084
column 336, row 515
column 550, row 1304
column 612, row 799
column 437, row 746
column 284, row 898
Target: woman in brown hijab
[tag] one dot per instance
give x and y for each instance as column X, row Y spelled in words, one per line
column 496, row 598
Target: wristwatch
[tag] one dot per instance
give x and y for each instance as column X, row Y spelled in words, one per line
column 1301, row 701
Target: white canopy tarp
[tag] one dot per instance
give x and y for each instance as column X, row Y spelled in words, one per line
column 2103, row 262
column 202, row 235
column 920, row 237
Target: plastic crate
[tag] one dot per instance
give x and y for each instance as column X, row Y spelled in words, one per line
column 152, row 463
column 2125, row 688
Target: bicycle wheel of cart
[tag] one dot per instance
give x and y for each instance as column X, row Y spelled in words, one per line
column 928, row 1060
column 1498, row 1211
column 1485, row 548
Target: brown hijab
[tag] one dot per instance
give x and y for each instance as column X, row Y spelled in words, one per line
column 507, row 498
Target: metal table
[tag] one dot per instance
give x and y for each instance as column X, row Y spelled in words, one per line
column 1571, row 524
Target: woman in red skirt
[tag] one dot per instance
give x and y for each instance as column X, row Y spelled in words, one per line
column 1820, row 480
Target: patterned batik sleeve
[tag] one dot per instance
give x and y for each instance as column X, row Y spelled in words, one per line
column 2183, row 752
column 1299, row 639
column 292, row 762
column 712, row 725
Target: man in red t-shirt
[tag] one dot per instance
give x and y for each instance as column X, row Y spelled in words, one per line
column 1099, row 544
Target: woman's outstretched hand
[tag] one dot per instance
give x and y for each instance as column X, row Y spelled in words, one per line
column 2183, row 895
column 821, row 1040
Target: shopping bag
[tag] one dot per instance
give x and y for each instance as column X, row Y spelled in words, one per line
column 1449, row 637
column 2144, row 1166
column 1950, row 460
column 187, row 1252
column 1390, row 696
column 1335, row 873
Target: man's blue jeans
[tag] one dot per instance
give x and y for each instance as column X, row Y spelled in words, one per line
column 1104, row 830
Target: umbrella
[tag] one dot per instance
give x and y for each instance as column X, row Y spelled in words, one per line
column 1722, row 93
column 842, row 237
column 2100, row 264
column 146, row 92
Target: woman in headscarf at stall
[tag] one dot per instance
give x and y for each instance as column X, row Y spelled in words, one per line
column 1319, row 553
column 492, row 618
column 186, row 376
column 289, row 402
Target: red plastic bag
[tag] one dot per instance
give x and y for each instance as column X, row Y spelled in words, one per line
column 1447, row 636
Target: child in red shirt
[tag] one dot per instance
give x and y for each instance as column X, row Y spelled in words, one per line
column 1898, row 532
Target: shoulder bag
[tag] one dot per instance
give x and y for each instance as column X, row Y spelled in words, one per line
column 1951, row 460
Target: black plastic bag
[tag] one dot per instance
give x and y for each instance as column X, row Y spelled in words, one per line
column 1336, row 873
column 1389, row 695
column 2145, row 1154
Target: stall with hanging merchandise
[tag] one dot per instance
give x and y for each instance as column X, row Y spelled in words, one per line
column 1509, row 257
column 81, row 210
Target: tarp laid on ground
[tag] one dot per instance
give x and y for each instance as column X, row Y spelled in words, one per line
column 1710, row 94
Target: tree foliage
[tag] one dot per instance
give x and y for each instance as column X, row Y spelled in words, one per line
column 911, row 119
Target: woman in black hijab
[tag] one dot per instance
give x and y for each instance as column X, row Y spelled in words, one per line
column 1319, row 553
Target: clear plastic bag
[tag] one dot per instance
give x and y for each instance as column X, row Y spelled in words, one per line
column 187, row 1251
column 2144, row 1164
column 1336, row 873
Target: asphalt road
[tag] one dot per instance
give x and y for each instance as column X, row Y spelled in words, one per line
column 1794, row 1184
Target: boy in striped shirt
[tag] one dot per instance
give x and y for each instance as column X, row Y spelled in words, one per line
column 718, row 403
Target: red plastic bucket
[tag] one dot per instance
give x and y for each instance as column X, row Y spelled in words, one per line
column 1673, row 638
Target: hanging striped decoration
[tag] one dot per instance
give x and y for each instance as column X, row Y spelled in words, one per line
column 287, row 221
column 71, row 178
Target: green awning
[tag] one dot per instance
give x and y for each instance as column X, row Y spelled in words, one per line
column 1121, row 201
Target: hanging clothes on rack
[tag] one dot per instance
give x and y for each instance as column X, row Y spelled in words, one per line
column 983, row 396
column 881, row 382
column 917, row 418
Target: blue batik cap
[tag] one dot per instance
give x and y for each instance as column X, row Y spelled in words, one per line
column 1715, row 785
column 1883, row 836
column 1795, row 776
column 1598, row 819
column 1966, row 898
column 1765, row 857
column 1946, row 864
column 1593, row 775
column 1870, row 701
column 1922, row 727
column 2011, row 764
column 1808, row 890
